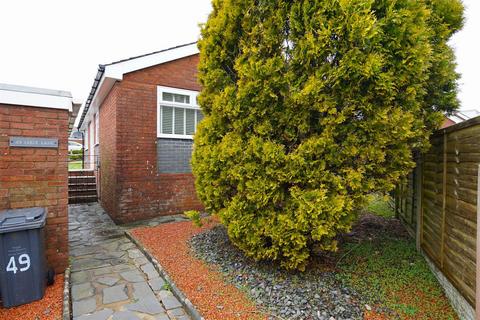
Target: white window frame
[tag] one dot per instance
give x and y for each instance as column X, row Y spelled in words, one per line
column 96, row 128
column 160, row 102
column 86, row 137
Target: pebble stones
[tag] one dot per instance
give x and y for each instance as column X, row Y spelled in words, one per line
column 290, row 295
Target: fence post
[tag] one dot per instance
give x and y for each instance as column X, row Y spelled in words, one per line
column 444, row 198
column 418, row 185
column 477, row 264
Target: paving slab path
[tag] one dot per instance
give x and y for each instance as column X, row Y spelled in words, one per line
column 111, row 279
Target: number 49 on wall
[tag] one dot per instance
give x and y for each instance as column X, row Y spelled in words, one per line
column 23, row 262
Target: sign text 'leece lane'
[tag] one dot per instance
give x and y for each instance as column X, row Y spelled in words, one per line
column 33, row 142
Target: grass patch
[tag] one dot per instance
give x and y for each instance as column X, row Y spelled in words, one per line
column 380, row 206
column 74, row 165
column 391, row 275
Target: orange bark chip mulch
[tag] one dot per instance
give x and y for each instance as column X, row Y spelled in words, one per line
column 48, row 308
column 204, row 286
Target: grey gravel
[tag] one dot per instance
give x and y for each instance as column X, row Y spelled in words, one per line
column 313, row 294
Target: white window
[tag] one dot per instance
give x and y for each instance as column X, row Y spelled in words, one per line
column 91, row 134
column 97, row 120
column 178, row 113
column 85, row 137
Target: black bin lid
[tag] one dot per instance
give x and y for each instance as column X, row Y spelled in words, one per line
column 22, row 219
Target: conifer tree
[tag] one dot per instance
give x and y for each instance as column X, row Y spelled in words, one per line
column 311, row 105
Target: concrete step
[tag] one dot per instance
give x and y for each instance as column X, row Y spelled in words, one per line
column 81, row 186
column 77, row 173
column 84, row 192
column 81, row 180
column 82, row 199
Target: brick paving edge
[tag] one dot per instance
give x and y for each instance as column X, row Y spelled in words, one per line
column 66, row 312
column 187, row 304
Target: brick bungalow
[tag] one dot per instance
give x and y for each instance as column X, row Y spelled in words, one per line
column 32, row 175
column 138, row 124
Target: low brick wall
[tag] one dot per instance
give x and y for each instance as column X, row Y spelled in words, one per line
column 37, row 177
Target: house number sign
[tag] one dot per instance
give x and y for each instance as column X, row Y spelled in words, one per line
column 32, row 142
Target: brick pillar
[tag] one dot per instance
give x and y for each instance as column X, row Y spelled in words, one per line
column 37, row 177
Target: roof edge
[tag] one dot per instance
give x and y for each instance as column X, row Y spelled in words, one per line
column 35, row 90
column 115, row 70
column 151, row 53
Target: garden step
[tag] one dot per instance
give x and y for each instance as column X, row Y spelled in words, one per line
column 82, row 187
column 80, row 178
column 79, row 173
column 82, row 199
column 88, row 192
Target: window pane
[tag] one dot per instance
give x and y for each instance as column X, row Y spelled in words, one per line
column 190, row 121
column 179, row 121
column 167, row 119
column 181, row 98
column 167, row 96
column 199, row 116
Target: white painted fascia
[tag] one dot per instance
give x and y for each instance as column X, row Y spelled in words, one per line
column 456, row 119
column 106, row 84
column 35, row 97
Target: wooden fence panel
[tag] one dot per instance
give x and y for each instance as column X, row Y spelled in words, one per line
column 432, row 204
column 448, row 204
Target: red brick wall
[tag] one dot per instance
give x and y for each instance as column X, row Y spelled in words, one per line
column 140, row 191
column 37, row 177
column 447, row 123
column 107, row 186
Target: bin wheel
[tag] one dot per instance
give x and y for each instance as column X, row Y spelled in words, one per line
column 50, row 276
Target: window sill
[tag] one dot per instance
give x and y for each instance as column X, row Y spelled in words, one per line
column 175, row 136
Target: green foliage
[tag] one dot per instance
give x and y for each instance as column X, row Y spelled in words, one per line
column 380, row 205
column 75, row 157
column 194, row 215
column 312, row 105
column 388, row 271
column 74, row 165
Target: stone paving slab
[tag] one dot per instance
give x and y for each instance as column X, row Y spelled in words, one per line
column 149, row 270
column 81, row 307
column 157, row 284
column 99, row 315
column 81, row 291
column 111, row 278
column 125, row 315
column 108, row 281
column 169, row 300
column 114, row 294
column 148, row 305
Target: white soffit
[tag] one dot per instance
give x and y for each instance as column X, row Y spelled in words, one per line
column 35, row 97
